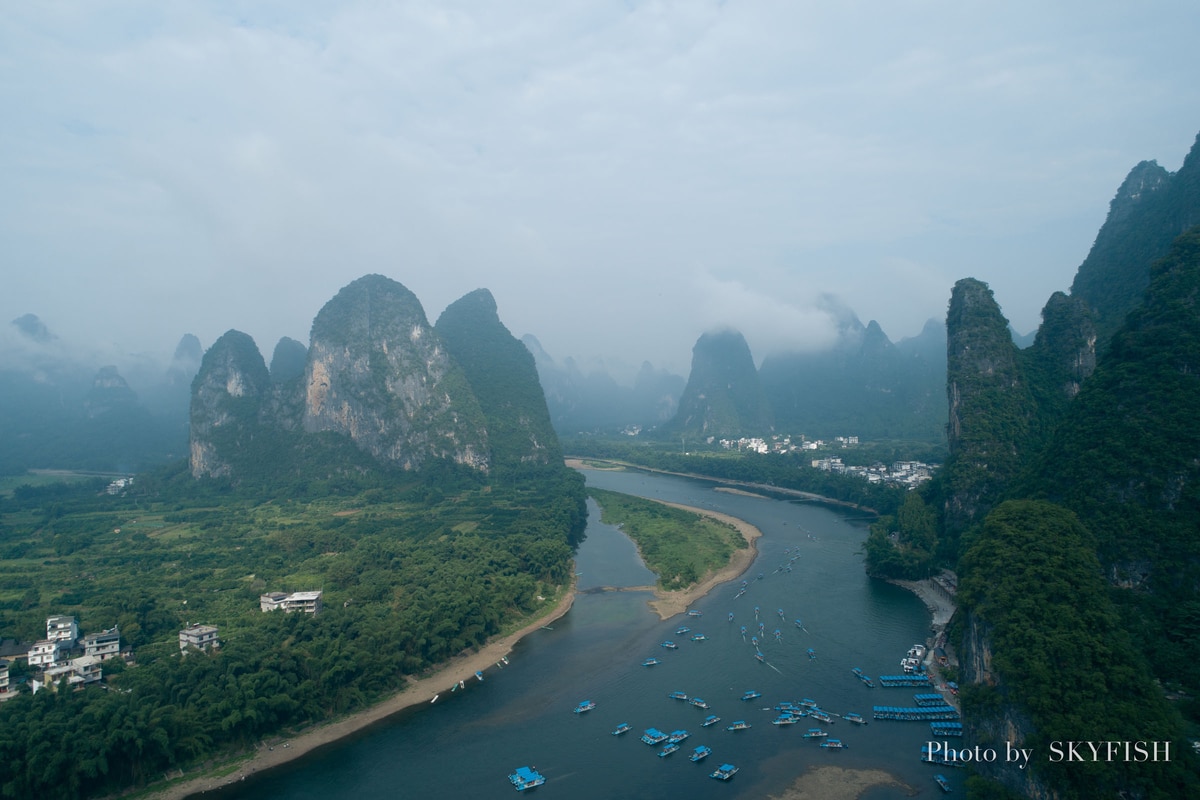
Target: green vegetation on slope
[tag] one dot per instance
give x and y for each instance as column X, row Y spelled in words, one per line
column 680, row 546
column 415, row 570
column 1031, row 574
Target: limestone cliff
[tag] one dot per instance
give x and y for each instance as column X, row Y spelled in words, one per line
column 227, row 393
column 990, row 406
column 723, row 396
column 379, row 374
column 503, row 376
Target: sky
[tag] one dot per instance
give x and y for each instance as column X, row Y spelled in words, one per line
column 622, row 176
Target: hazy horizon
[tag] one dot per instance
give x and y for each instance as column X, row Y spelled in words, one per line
column 621, row 177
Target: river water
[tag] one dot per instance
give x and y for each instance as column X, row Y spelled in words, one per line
column 466, row 744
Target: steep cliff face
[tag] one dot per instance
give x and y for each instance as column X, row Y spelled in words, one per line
column 227, row 393
column 990, row 405
column 379, row 374
column 1151, row 208
column 503, row 377
column 723, row 396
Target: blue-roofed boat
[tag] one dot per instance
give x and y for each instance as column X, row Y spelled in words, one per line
column 811, row 653
column 624, row 727
column 526, row 778
column 653, row 736
column 666, row 751
column 711, row 719
column 724, row 772
column 833, row 744
column 678, row 736
column 670, row 645
column 479, row 675
column 758, row 654
column 942, row 783
column 820, row 716
column 650, row 662
column 682, row 629
column 815, row 733
column 808, row 703
column 857, row 719
column 752, row 694
column 698, row 703
column 698, row 637
column 740, row 725
column 700, row 753
column 586, row 705
column 785, row 719
column 677, row 696
column 694, row 613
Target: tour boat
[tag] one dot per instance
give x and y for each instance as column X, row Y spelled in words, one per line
column 586, row 705
column 653, row 736
column 752, row 694
column 666, row 751
column 677, row 696
column 815, row 733
column 711, row 719
column 698, row 703
column 670, row 645
column 624, row 727
column 526, row 778
column 942, row 783
column 678, row 736
column 724, row 772
column 833, row 744
column 700, row 753
column 740, row 725
column 650, row 662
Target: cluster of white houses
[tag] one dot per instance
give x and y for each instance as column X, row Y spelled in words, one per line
column 64, row 655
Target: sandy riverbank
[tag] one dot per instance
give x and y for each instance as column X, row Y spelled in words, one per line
column 836, row 783
column 668, row 604
column 934, row 599
column 418, row 692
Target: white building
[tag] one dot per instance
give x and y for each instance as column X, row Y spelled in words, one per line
column 62, row 629
column 200, row 637
column 6, row 691
column 45, row 653
column 103, row 645
column 309, row 602
column 78, row 672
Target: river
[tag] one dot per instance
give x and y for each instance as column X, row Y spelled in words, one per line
column 521, row 713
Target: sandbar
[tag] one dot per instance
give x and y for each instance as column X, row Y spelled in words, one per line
column 837, row 783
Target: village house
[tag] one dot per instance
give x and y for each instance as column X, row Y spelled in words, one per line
column 78, row 671
column 45, row 653
column 103, row 645
column 309, row 602
column 6, row 691
column 62, row 629
column 200, row 637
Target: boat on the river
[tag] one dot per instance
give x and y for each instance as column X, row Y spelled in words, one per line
column 857, row 719
column 650, row 662
column 678, row 696
column 698, row 703
column 820, row 716
column 586, row 705
column 700, row 753
column 624, row 727
column 815, row 733
column 833, row 744
column 942, row 783
column 740, row 725
column 711, row 719
column 653, row 736
column 785, row 719
column 698, row 637
column 752, row 694
column 479, row 675
column 811, row 653
column 670, row 645
column 666, row 751
column 694, row 613
column 678, row 736
column 724, row 772
column 682, row 629
column 526, row 778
